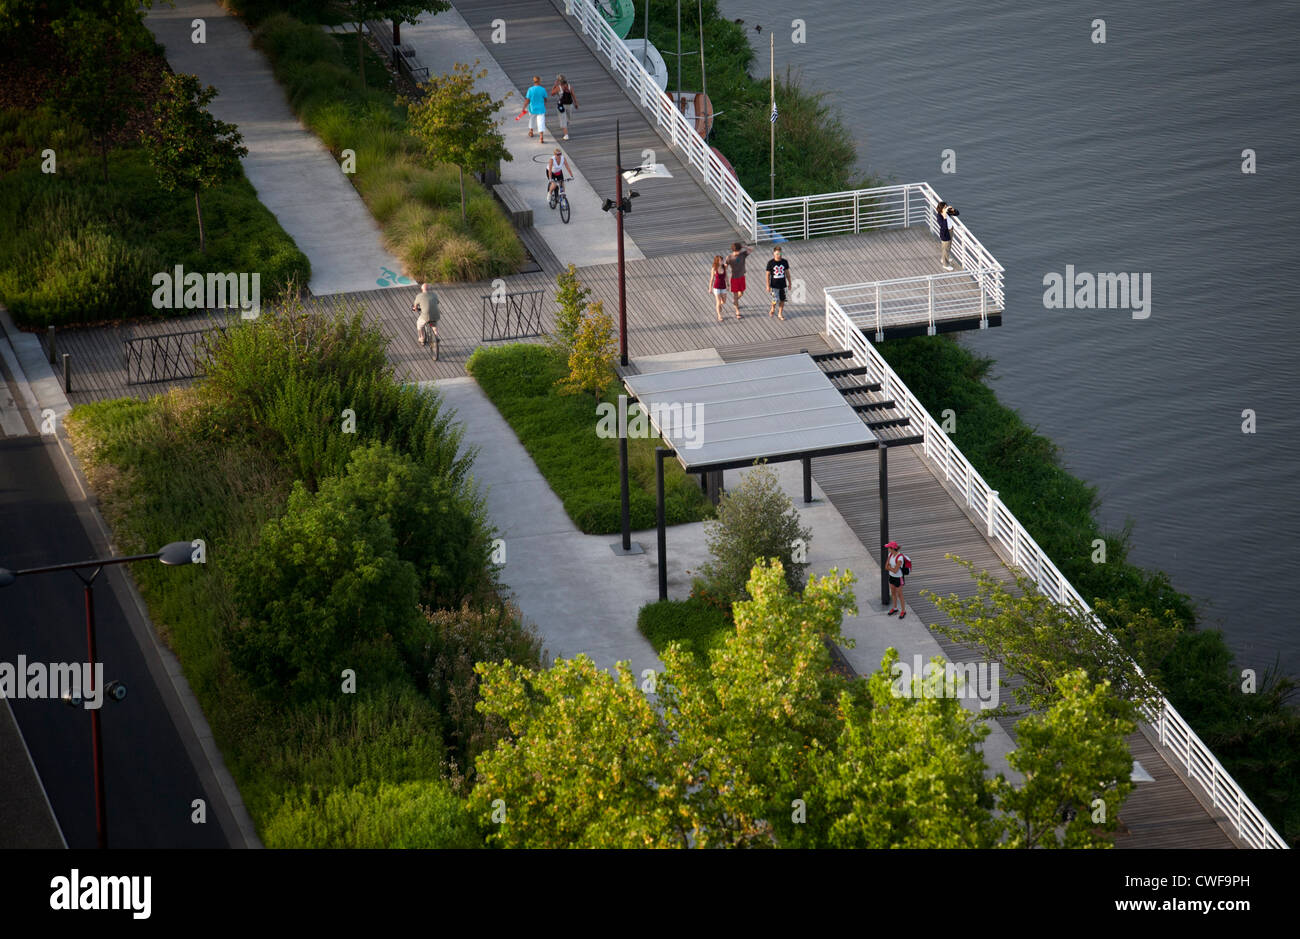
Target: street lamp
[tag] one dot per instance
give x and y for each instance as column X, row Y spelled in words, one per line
column 173, row 555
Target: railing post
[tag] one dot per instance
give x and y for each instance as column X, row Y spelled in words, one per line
column 67, row 373
column 880, row 326
column 990, row 508
column 907, row 206
column 857, row 209
column 806, row 234
column 930, row 331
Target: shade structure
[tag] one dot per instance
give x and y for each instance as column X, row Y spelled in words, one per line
column 726, row 416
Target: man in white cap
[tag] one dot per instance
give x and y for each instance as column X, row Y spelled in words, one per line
column 426, row 304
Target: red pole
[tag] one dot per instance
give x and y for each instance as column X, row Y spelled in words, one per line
column 622, row 277
column 101, row 819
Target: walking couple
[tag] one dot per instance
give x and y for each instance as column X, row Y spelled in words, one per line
column 778, row 272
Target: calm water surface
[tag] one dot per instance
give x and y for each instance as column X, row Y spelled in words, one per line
column 1121, row 157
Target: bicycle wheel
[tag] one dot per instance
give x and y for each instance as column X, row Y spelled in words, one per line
column 564, row 208
column 550, row 199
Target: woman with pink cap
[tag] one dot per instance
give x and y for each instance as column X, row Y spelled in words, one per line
column 894, row 567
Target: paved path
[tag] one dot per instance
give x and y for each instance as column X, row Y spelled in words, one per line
column 443, row 40
column 295, row 176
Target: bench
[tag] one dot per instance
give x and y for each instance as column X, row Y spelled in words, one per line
column 521, row 216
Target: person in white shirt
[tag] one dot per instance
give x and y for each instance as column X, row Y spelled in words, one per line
column 894, row 568
column 557, row 168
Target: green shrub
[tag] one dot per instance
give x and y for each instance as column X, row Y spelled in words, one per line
column 453, row 641
column 425, row 814
column 755, row 520
column 699, row 626
column 322, row 591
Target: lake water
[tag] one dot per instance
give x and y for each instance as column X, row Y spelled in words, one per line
column 1117, row 157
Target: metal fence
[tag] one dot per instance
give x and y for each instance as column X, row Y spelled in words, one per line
column 512, row 316
column 168, row 356
column 1176, row 737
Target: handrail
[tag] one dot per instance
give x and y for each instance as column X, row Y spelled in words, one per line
column 1176, row 736
column 944, row 296
column 681, row 132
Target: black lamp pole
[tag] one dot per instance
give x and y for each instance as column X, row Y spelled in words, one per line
column 622, row 274
column 178, row 552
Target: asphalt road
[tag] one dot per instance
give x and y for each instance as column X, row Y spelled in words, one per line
column 154, row 770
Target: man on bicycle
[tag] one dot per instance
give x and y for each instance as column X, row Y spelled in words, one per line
column 556, row 168
column 426, row 324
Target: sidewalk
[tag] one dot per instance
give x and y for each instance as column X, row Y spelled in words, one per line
column 590, row 237
column 294, row 175
column 584, row 599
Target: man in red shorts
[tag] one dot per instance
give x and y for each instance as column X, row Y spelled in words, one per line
column 736, row 261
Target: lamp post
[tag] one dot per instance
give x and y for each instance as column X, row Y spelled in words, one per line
column 620, row 205
column 174, row 554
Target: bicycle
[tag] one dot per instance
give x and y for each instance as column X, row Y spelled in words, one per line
column 559, row 197
column 429, row 333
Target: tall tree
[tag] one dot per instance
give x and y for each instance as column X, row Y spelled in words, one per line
column 457, row 124
column 99, row 87
column 190, row 149
column 360, row 11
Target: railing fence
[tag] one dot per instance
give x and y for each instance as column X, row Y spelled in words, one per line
column 1176, row 737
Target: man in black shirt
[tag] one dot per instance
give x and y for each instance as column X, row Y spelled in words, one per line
column 778, row 274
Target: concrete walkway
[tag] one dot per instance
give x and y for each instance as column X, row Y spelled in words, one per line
column 443, row 40
column 584, row 599
column 295, row 176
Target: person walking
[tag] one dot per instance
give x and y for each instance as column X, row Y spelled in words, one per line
column 565, row 102
column 943, row 212
column 778, row 273
column 736, row 262
column 426, row 304
column 718, row 283
column 894, row 568
column 536, row 96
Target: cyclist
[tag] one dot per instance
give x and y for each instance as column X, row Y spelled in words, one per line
column 556, row 168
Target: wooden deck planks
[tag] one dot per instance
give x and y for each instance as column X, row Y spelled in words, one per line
column 671, row 215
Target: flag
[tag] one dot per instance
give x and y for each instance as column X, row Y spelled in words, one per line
column 773, row 112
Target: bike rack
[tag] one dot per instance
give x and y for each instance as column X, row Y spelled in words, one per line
column 515, row 316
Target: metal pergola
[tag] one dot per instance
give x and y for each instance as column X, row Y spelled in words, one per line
column 777, row 409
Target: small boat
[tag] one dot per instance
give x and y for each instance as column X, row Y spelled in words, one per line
column 618, row 14
column 696, row 106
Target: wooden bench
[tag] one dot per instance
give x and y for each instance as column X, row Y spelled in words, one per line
column 521, row 216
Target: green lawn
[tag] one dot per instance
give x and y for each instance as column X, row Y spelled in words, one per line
column 698, row 626
column 559, row 432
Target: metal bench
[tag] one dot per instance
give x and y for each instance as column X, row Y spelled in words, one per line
column 521, row 216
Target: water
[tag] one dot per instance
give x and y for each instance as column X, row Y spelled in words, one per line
column 1121, row 157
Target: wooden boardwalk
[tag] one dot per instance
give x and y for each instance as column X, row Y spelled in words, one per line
column 671, row 215
column 928, row 523
column 669, row 308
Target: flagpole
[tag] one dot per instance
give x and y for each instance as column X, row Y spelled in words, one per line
column 771, row 42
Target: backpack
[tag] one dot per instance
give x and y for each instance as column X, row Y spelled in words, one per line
column 907, row 566
column 566, row 96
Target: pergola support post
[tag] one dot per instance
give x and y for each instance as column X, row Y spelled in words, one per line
column 661, row 521
column 807, row 480
column 884, row 523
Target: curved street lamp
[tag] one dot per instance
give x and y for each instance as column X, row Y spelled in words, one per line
column 173, row 555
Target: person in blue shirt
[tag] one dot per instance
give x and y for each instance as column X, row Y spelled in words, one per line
column 536, row 96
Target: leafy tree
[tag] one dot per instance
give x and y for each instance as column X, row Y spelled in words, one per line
column 588, row 762
column 359, row 11
column 190, row 149
column 904, row 772
column 98, row 90
column 591, row 358
column 571, row 298
column 1070, row 756
column 23, row 14
column 1042, row 641
column 323, row 590
column 755, row 520
column 456, row 123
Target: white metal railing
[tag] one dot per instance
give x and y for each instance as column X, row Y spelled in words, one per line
column 841, row 213
column 659, row 106
column 1176, row 737
column 929, row 298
